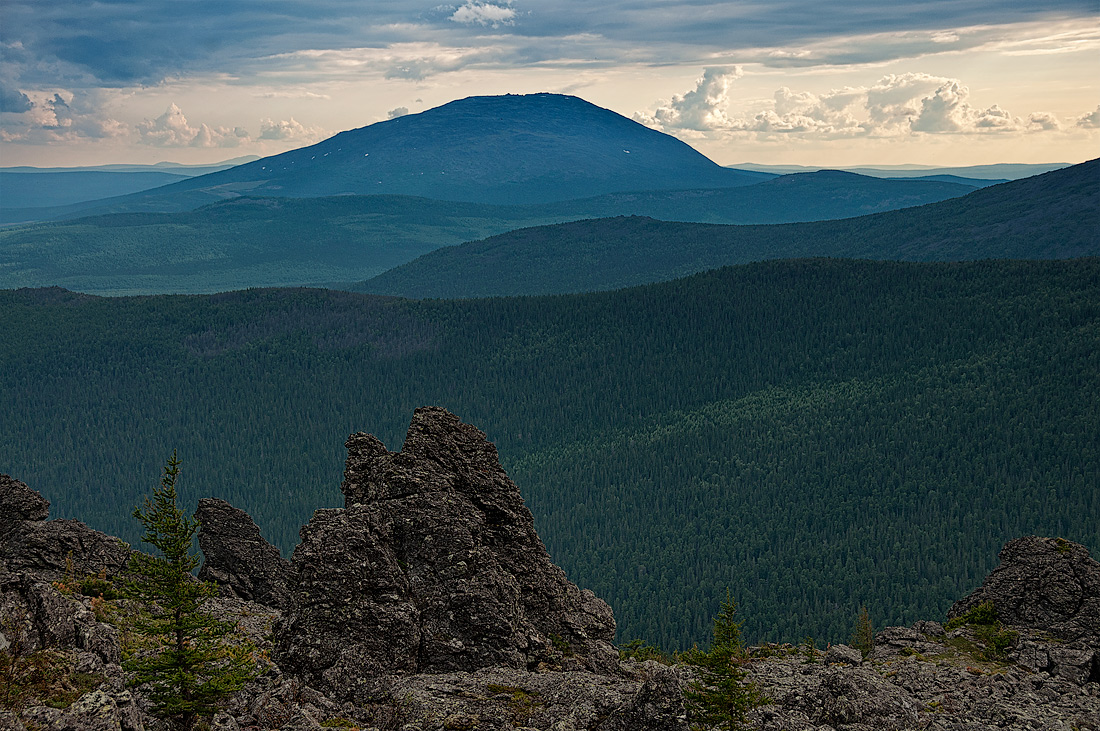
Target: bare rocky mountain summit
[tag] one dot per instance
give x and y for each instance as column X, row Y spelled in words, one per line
column 428, row 602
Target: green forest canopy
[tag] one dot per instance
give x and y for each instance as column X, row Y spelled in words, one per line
column 813, row 434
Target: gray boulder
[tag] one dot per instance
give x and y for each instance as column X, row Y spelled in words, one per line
column 843, row 655
column 99, row 710
column 432, row 566
column 237, row 557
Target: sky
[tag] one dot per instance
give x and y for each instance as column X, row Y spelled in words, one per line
column 809, row 82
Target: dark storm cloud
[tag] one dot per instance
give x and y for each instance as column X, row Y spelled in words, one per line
column 129, row 42
column 124, row 42
column 13, row 100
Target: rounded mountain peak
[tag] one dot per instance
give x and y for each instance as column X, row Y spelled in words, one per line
column 507, row 149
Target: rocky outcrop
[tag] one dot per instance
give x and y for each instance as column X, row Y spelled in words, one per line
column 52, row 549
column 429, row 603
column 433, row 566
column 1046, row 584
column 237, row 557
column 36, row 616
column 1048, row 590
column 54, row 645
column 103, row 709
column 19, row 503
column 947, row 688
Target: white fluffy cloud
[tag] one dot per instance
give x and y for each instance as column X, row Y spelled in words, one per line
column 60, row 116
column 487, row 14
column 701, row 109
column 1090, row 120
column 289, row 129
column 172, row 129
column 397, row 112
column 897, row 104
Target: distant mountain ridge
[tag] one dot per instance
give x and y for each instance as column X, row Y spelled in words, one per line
column 510, row 149
column 1050, row 216
column 996, row 172
column 334, row 240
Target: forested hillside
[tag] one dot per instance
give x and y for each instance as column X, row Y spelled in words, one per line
column 814, row 435
column 253, row 242
column 1051, row 216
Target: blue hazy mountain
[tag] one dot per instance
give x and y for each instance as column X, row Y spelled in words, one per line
column 32, row 194
column 1050, row 216
column 257, row 242
column 511, row 149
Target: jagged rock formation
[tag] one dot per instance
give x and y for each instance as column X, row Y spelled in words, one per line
column 37, row 620
column 1048, row 590
column 237, row 557
column 52, row 549
column 1046, row 584
column 429, row 603
column 432, row 566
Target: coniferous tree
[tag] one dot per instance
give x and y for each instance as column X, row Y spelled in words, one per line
column 863, row 638
column 194, row 660
column 721, row 696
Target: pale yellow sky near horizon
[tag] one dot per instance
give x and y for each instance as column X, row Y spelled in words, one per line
column 1024, row 93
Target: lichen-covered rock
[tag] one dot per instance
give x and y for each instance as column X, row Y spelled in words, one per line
column 843, row 655
column 19, row 503
column 98, row 710
column 502, row 699
column 237, row 557
column 945, row 689
column 43, row 618
column 52, row 549
column 433, row 566
column 860, row 696
column 904, row 640
column 1046, row 584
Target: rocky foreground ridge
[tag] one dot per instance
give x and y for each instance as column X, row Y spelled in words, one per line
column 428, row 602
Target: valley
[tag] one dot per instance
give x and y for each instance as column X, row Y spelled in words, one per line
column 818, row 389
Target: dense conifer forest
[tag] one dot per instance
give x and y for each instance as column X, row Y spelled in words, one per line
column 814, row 435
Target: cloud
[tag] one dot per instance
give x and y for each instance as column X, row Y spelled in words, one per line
column 13, row 100
column 61, row 116
column 895, row 99
column 1043, row 121
column 895, row 105
column 144, row 42
column 701, row 109
column 1090, row 120
column 172, row 129
column 398, row 112
column 289, row 129
column 486, row 14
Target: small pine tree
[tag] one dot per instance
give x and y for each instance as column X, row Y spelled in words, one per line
column 863, row 637
column 722, row 696
column 193, row 662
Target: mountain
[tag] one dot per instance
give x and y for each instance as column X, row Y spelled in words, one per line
column 24, row 190
column 35, row 194
column 491, row 149
column 813, row 434
column 998, row 172
column 252, row 242
column 819, row 196
column 1050, row 216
